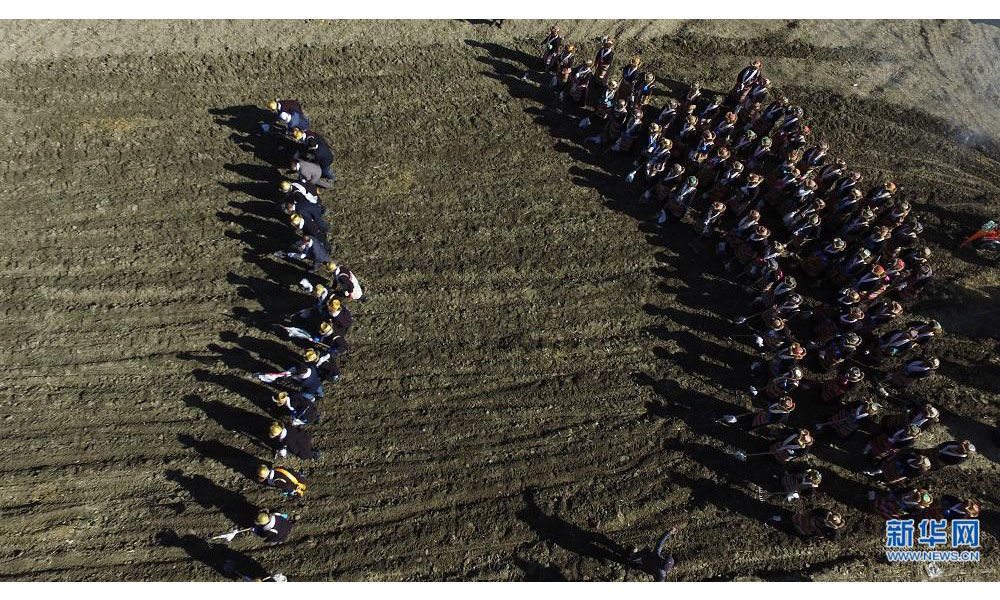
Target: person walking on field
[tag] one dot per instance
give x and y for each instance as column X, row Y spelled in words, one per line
column 274, row 528
column 652, row 561
column 292, row 440
column 291, row 483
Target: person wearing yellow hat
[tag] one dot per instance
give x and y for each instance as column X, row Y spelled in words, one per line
column 314, row 148
column 305, row 374
column 302, row 410
column 274, row 528
column 277, row 106
column 292, row 484
column 324, row 361
column 291, row 440
column 288, row 114
column 298, row 190
column 310, row 211
column 307, row 219
column 315, row 229
column 319, row 294
column 338, row 316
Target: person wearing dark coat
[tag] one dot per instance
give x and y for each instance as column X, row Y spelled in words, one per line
column 304, row 374
column 347, row 285
column 315, row 229
column 338, row 316
column 308, row 379
column 652, row 561
column 299, row 190
column 273, row 527
column 309, row 249
column 323, row 155
column 302, row 410
column 291, row 440
column 291, row 483
column 748, row 76
column 309, row 210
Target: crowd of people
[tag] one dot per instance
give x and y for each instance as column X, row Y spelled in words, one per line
column 829, row 264
column 319, row 327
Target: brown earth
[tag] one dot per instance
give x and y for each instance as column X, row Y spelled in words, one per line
column 533, row 380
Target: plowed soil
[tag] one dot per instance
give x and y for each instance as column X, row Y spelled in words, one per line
column 534, row 379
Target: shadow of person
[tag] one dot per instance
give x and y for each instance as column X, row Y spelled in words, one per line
column 729, row 496
column 262, row 173
column 535, row 571
column 261, row 320
column 983, row 436
column 260, row 190
column 208, row 494
column 243, row 118
column 846, row 491
column 285, row 273
column 267, row 351
column 976, row 375
column 261, row 208
column 252, row 425
column 522, row 59
column 569, row 536
column 256, row 393
column 237, row 460
column 700, row 356
column 278, row 301
column 273, row 227
column 234, row 358
column 222, row 558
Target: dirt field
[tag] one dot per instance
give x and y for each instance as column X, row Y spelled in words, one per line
column 532, row 382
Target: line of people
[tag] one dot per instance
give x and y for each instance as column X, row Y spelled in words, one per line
column 830, row 266
column 324, row 321
column 320, row 326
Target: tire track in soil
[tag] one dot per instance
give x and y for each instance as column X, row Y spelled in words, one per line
column 488, row 294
